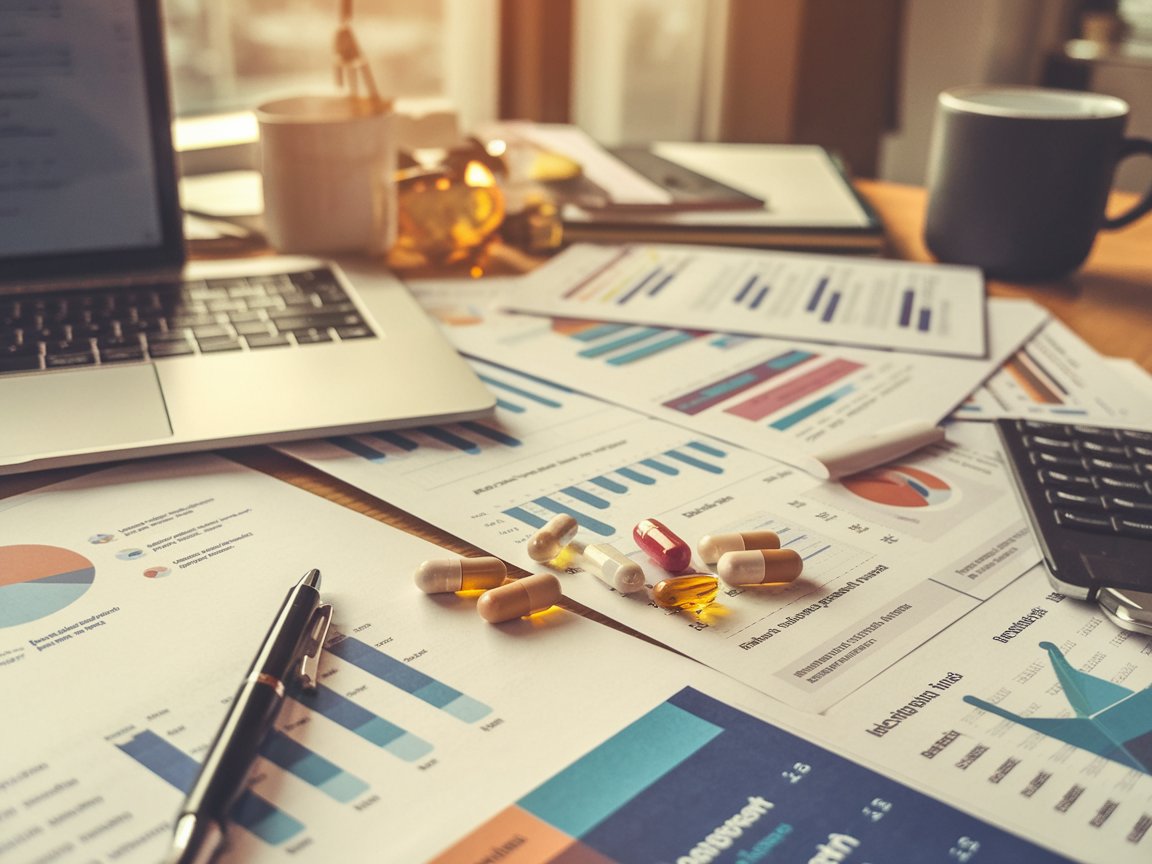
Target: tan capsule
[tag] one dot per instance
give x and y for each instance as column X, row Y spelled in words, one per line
column 760, row 567
column 547, row 543
column 519, row 598
column 712, row 546
column 693, row 591
column 444, row 575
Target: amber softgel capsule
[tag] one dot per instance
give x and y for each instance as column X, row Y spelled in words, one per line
column 686, row 593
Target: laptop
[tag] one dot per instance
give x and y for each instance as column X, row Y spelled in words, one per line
column 112, row 346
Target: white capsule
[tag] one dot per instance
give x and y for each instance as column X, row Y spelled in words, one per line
column 444, row 575
column 614, row 568
column 712, row 546
column 759, row 567
column 520, row 598
column 546, row 543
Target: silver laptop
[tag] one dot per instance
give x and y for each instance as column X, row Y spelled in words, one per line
column 111, row 345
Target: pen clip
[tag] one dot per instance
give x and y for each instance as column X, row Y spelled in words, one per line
column 309, row 669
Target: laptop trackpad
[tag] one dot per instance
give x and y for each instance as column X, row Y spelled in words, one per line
column 79, row 409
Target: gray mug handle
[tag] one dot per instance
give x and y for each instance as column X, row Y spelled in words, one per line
column 1131, row 147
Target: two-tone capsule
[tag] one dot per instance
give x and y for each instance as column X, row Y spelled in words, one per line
column 444, row 575
column 686, row 593
column 712, row 546
column 548, row 542
column 759, row 567
column 614, row 568
column 659, row 543
column 519, row 599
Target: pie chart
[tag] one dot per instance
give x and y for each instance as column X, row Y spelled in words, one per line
column 36, row 581
column 899, row 486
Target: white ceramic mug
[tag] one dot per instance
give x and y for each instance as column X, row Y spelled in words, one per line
column 327, row 164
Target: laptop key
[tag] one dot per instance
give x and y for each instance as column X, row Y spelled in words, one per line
column 216, row 344
column 170, row 348
column 311, row 336
column 266, row 340
column 121, row 353
column 360, row 332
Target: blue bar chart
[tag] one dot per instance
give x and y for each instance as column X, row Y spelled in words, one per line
column 312, row 768
column 371, row 727
column 597, row 494
column 410, row 680
column 177, row 768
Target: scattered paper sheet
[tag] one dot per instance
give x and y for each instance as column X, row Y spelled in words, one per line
column 789, row 400
column 133, row 600
column 891, row 556
column 924, row 308
column 1058, row 377
column 1037, row 709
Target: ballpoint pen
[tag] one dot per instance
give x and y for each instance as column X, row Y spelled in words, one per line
column 289, row 655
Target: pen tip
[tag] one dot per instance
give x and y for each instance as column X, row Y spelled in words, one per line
column 311, row 578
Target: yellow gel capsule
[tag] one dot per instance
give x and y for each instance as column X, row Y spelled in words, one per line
column 519, row 598
column 444, row 575
column 712, row 546
column 760, row 567
column 685, row 592
column 547, row 543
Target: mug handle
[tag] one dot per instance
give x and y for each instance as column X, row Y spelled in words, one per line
column 1131, row 147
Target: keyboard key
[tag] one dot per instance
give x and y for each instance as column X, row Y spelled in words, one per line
column 1064, row 498
column 1047, row 460
column 311, row 336
column 216, row 344
column 1104, row 451
column 1141, row 528
column 359, row 332
column 266, row 340
column 171, row 348
column 1122, row 486
column 1109, row 466
column 1068, row 481
column 1130, row 506
column 1051, row 445
column 1134, row 436
column 1085, row 521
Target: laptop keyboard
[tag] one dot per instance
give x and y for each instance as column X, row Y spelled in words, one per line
column 60, row 330
column 1087, row 490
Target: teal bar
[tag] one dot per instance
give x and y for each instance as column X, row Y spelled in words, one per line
column 597, row 785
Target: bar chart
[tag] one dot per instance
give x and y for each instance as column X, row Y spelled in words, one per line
column 860, row 302
column 590, row 500
column 780, row 794
column 410, row 680
column 169, row 763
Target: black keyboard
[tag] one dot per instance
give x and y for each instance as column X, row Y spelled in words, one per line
column 1088, row 494
column 154, row 321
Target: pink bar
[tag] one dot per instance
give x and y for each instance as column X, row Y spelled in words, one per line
column 771, row 401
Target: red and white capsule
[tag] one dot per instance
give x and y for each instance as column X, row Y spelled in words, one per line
column 659, row 543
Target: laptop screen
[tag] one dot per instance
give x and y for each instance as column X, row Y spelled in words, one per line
column 87, row 181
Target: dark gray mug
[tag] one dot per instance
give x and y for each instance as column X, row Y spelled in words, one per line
column 1019, row 177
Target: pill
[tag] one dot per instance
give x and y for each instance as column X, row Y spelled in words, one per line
column 712, row 546
column 685, row 592
column 520, row 598
column 759, row 567
column 443, row 575
column 546, row 543
column 614, row 568
column 662, row 546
